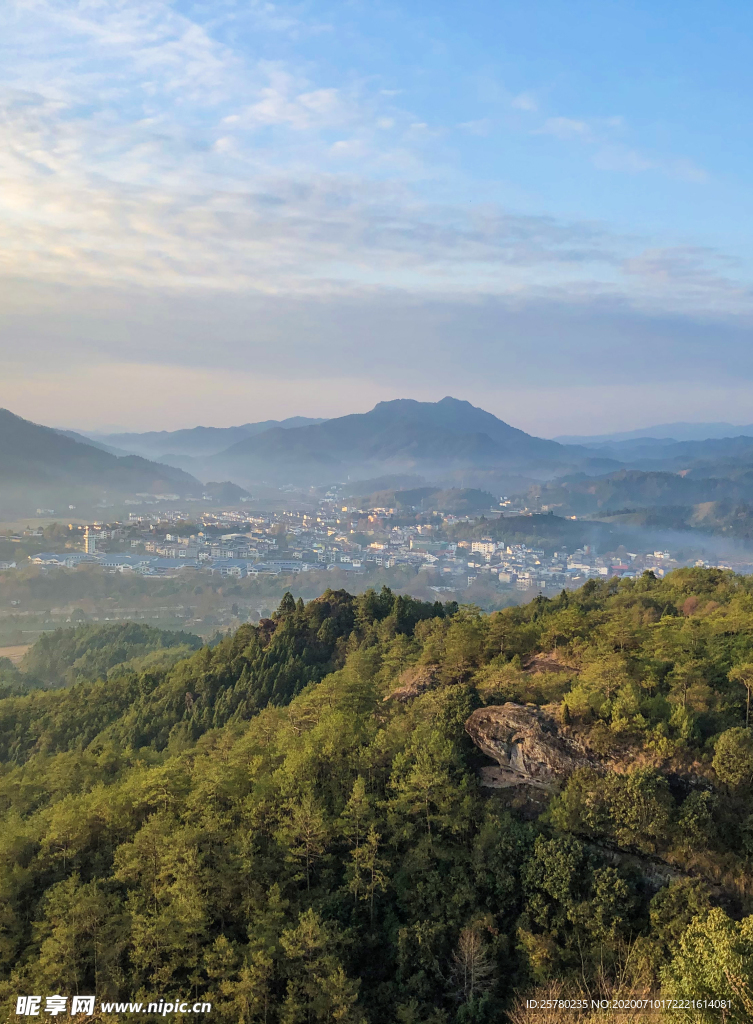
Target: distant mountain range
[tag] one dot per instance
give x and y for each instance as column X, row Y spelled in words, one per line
column 84, row 439
column 194, row 442
column 662, row 453
column 665, row 431
column 406, row 452
column 40, row 464
column 451, row 441
column 435, row 439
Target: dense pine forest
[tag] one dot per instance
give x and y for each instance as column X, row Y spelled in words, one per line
column 291, row 823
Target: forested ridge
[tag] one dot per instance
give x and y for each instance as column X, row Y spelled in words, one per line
column 262, row 825
column 90, row 652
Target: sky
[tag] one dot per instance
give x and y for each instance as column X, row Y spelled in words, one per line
column 221, row 212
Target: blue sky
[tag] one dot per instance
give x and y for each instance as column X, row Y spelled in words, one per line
column 230, row 211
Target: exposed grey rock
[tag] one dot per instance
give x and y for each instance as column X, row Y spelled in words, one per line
column 528, row 746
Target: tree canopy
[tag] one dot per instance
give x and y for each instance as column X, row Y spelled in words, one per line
column 261, row 825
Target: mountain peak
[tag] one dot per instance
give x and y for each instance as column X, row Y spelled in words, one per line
column 412, row 403
column 435, row 437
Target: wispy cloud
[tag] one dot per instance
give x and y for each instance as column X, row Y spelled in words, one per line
column 566, row 128
column 138, row 146
column 161, row 185
column 629, row 161
column 605, row 137
column 524, row 101
column 288, row 102
column 482, row 127
column 695, row 276
column 200, row 169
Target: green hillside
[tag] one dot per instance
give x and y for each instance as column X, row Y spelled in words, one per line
column 263, row 826
column 458, row 500
column 633, row 488
column 92, row 652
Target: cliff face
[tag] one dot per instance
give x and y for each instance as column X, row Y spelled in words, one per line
column 528, row 746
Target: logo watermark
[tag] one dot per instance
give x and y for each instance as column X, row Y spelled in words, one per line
column 31, row 1006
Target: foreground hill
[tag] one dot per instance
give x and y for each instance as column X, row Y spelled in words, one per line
column 435, row 438
column 38, row 463
column 291, row 825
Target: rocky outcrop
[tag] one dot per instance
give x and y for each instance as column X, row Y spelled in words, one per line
column 413, row 682
column 528, row 745
column 532, row 750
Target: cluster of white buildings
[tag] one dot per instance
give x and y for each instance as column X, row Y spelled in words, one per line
column 338, row 536
column 525, row 568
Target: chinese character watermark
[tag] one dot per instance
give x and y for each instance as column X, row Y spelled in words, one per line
column 83, row 1004
column 28, row 1006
